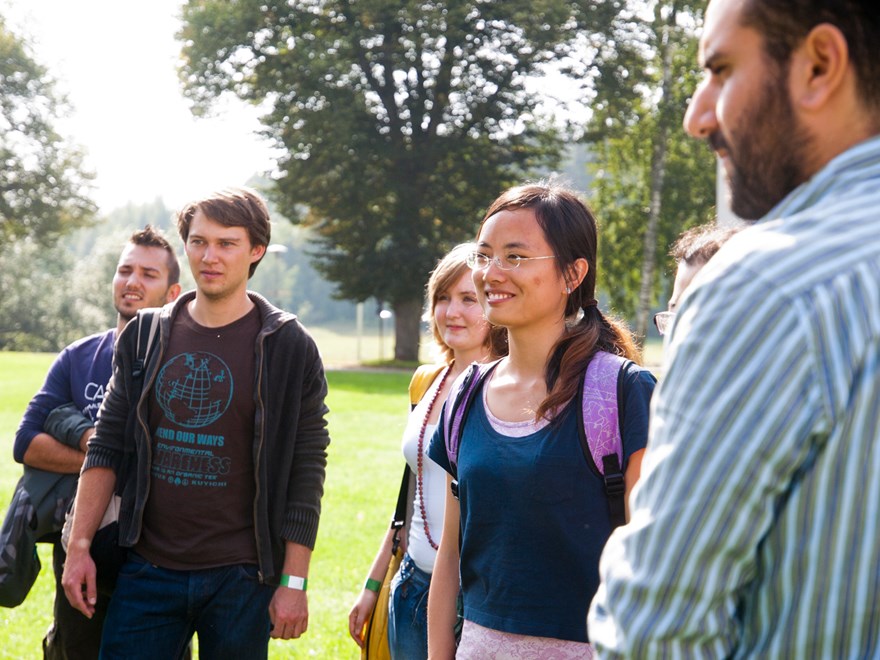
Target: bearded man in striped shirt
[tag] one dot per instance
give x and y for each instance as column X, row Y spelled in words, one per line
column 754, row 529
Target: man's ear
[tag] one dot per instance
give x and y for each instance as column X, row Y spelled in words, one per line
column 172, row 293
column 257, row 252
column 576, row 273
column 819, row 67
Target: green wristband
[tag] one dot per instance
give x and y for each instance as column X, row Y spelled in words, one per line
column 373, row 585
column 293, row 582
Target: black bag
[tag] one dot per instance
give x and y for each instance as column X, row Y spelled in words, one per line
column 19, row 562
column 35, row 512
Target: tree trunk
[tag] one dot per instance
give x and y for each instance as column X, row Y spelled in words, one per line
column 407, row 325
column 658, row 172
column 649, row 249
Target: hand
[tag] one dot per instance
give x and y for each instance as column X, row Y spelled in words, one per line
column 359, row 614
column 78, row 579
column 289, row 613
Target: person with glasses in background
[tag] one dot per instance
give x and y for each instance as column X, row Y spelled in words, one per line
column 691, row 251
column 531, row 515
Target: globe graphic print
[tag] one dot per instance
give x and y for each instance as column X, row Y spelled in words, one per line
column 194, row 389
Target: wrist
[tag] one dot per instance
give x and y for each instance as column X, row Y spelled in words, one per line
column 293, row 582
column 78, row 545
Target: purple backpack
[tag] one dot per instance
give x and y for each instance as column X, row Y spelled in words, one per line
column 598, row 431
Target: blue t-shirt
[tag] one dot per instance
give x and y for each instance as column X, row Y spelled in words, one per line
column 78, row 375
column 534, row 516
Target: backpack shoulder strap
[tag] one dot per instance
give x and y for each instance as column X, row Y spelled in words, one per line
column 599, row 430
column 145, row 337
column 147, row 326
column 456, row 415
column 421, row 381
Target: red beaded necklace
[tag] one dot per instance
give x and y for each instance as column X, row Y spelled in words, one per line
column 420, row 457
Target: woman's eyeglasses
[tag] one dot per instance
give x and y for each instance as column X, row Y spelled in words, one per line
column 480, row 261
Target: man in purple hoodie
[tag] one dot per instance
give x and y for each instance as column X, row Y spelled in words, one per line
column 147, row 275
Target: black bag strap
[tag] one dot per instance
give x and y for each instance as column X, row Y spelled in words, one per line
column 615, row 490
column 399, row 521
column 147, row 326
column 144, row 343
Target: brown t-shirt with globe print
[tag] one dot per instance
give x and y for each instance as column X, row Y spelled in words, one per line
column 199, row 513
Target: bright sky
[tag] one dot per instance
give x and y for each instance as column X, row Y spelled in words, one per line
column 116, row 60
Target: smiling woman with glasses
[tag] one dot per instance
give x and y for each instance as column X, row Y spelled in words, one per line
column 531, row 512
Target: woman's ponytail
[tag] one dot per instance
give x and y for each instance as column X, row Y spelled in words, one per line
column 569, row 359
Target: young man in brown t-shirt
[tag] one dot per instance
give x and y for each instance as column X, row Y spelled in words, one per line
column 221, row 506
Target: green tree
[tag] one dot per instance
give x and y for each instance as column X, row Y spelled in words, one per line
column 651, row 180
column 399, row 120
column 287, row 278
column 54, row 294
column 44, row 188
column 50, row 298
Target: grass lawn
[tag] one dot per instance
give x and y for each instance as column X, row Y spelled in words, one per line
column 367, row 416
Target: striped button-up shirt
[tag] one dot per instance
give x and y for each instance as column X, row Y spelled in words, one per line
column 755, row 531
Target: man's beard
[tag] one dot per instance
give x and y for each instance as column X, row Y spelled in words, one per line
column 767, row 158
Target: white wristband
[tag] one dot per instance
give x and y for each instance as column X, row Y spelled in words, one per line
column 293, row 582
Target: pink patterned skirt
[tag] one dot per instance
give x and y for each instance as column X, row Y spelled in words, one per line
column 479, row 643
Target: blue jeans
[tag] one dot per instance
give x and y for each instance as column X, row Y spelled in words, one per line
column 408, row 612
column 155, row 611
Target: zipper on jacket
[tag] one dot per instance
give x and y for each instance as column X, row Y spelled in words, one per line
column 261, row 408
column 258, row 455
